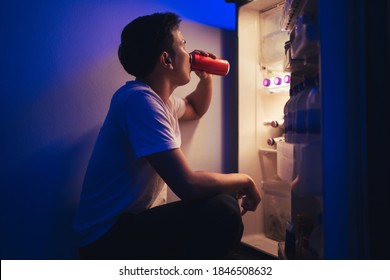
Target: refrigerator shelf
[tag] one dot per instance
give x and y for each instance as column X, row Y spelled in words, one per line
column 262, row 243
column 267, row 150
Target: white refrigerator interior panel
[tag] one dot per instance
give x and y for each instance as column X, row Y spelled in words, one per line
column 248, row 161
column 261, row 53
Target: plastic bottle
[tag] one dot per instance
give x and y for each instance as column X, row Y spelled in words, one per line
column 277, row 83
column 275, row 123
column 313, row 116
column 305, row 43
column 301, row 111
column 304, row 230
column 292, row 111
column 273, row 141
column 287, row 115
column 266, row 82
column 279, row 123
column 289, row 248
column 317, row 239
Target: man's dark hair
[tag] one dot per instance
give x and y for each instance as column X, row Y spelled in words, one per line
column 144, row 39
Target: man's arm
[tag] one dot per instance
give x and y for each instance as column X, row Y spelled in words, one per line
column 187, row 184
column 198, row 102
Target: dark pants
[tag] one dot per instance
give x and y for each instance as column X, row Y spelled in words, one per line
column 202, row 229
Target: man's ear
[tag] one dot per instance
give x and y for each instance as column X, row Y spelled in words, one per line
column 166, row 60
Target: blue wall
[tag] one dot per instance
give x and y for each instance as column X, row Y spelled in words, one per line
column 58, row 70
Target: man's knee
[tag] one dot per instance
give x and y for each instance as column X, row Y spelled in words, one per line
column 226, row 207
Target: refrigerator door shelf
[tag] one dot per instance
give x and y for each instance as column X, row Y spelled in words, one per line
column 267, row 151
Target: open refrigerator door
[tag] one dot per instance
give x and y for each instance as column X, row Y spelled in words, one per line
column 279, row 115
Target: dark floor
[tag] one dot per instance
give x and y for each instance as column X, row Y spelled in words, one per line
column 244, row 252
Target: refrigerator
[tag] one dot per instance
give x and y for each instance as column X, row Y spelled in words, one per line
column 303, row 126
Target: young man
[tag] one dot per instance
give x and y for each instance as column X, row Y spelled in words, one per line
column 121, row 213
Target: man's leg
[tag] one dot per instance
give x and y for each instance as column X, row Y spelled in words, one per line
column 201, row 229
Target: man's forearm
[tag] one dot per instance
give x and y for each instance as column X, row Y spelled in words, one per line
column 200, row 98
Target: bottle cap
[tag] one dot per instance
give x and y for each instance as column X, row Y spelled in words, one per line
column 277, row 80
column 270, row 141
column 266, row 82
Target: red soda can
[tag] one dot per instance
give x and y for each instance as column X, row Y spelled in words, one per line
column 209, row 65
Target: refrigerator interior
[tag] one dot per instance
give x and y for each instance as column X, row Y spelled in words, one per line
column 277, row 163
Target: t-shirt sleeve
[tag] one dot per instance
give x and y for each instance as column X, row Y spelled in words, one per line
column 148, row 126
column 179, row 105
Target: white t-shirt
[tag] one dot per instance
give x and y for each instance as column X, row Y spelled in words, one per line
column 119, row 178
